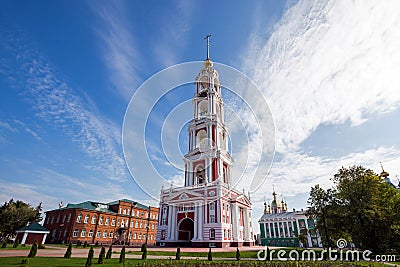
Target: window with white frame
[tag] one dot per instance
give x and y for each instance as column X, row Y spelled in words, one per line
column 125, row 211
column 134, row 235
column 141, row 225
column 105, row 233
column 111, row 234
column 163, row 234
column 75, row 233
column 86, row 218
column 107, row 220
column 131, row 224
column 101, row 220
column 83, row 233
column 79, row 218
column 136, row 224
column 90, row 234
column 212, row 233
column 140, row 236
column 113, row 222
column 94, row 219
column 69, row 217
column 98, row 233
column 118, row 223
column 212, row 218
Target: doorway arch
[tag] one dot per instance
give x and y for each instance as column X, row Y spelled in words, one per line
column 186, row 230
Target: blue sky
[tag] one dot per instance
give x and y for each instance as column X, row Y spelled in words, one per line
column 68, row 69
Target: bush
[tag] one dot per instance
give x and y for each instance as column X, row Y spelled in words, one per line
column 16, row 243
column 122, row 255
column 237, row 254
column 109, row 252
column 209, row 255
column 178, row 253
column 85, row 245
column 4, row 244
column 89, row 258
column 102, row 255
column 68, row 253
column 25, row 261
column 41, row 246
column 34, row 249
column 144, row 252
column 78, row 243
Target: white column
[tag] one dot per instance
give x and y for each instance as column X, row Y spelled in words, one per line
column 196, row 221
column 288, row 229
column 235, row 223
column 218, row 209
column 190, row 174
column 308, row 234
column 24, row 238
column 169, row 222
column 173, row 222
column 201, row 220
column 44, row 239
column 245, row 225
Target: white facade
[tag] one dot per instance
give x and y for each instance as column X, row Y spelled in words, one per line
column 206, row 211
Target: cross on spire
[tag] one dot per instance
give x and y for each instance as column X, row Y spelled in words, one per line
column 208, row 45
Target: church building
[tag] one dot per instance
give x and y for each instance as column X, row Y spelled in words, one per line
column 206, row 211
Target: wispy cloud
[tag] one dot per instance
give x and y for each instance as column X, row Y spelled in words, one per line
column 57, row 104
column 118, row 46
column 327, row 62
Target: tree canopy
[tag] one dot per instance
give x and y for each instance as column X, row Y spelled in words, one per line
column 17, row 214
column 361, row 208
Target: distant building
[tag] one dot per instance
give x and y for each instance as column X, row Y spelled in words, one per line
column 30, row 233
column 281, row 228
column 119, row 222
column 385, row 176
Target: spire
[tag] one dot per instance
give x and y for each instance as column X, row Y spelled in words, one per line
column 208, row 46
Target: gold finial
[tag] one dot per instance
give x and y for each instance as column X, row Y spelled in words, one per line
column 383, row 173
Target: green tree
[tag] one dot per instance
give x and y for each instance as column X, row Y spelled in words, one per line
column 17, row 214
column 178, row 253
column 34, row 249
column 89, row 258
column 237, row 254
column 68, row 253
column 209, row 255
column 361, row 208
column 102, row 255
column 109, row 252
column 122, row 255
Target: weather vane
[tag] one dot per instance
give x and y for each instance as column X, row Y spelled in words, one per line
column 208, row 45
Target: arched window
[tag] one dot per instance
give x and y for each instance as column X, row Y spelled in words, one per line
column 201, row 138
column 94, row 219
column 124, row 211
column 83, row 233
column 203, row 108
column 79, row 218
column 69, row 217
column 76, row 232
column 101, row 220
column 86, row 218
column 200, row 175
column 107, row 220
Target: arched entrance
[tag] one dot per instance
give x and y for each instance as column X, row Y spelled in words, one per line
column 186, row 230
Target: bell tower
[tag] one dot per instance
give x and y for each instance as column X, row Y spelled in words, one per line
column 208, row 158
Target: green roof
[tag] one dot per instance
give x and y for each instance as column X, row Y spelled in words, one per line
column 105, row 207
column 33, row 227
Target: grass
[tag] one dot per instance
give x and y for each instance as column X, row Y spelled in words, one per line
column 61, row 262
column 232, row 254
column 20, row 247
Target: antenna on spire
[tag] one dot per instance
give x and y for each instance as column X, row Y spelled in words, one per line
column 381, row 166
column 208, row 45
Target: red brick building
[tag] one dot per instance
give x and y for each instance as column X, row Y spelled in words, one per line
column 118, row 222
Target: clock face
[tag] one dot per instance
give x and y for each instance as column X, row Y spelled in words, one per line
column 211, row 193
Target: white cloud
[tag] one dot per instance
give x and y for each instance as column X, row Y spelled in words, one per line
column 327, row 62
column 118, row 46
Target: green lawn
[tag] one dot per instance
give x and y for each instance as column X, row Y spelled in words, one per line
column 61, row 262
column 10, row 246
column 243, row 254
